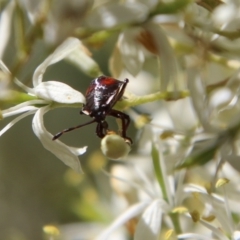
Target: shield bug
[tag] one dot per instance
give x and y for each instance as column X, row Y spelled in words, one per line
column 101, row 96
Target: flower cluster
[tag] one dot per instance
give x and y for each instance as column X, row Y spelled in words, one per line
column 182, row 61
column 45, row 96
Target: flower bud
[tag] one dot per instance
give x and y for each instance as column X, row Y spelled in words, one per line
column 114, row 146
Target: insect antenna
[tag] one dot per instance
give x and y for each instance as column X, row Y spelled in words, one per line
column 56, row 136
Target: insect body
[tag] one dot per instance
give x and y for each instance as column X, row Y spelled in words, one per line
column 101, row 96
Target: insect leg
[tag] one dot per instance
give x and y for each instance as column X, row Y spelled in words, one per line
column 101, row 129
column 71, row 129
column 125, row 121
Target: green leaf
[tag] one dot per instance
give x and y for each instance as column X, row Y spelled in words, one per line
column 199, row 157
column 170, row 7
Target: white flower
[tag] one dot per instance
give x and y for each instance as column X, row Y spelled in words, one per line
column 64, row 17
column 116, row 14
column 149, row 206
column 213, row 212
column 221, row 208
column 46, row 93
column 136, row 44
column 131, row 50
column 59, row 18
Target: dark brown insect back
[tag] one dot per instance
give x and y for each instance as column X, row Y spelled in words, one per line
column 101, row 96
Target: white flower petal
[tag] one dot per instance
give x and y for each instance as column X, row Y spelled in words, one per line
column 19, row 83
column 215, row 230
column 233, row 160
column 81, row 58
column 150, row 222
column 236, row 235
column 78, row 151
column 190, row 188
column 193, row 236
column 224, row 13
column 169, row 68
column 179, row 189
column 60, row 53
column 150, row 3
column 198, row 95
column 16, row 120
column 128, row 182
column 58, row 92
column 182, row 107
column 115, row 14
column 60, row 150
column 18, row 111
column 218, row 201
column 22, row 107
column 5, row 26
column 220, row 97
column 33, row 8
column 132, row 54
column 131, row 212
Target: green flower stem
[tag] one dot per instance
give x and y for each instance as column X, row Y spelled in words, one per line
column 139, row 100
column 160, row 178
column 14, row 97
column 158, row 172
column 18, row 97
column 19, row 28
column 175, row 220
column 62, row 105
